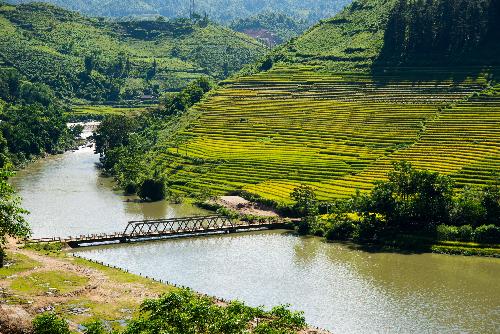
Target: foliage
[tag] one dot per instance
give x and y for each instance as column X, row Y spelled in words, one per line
column 181, row 102
column 32, row 121
column 12, row 222
column 221, row 11
column 152, row 190
column 271, row 27
column 442, row 30
column 306, row 206
column 94, row 327
column 123, row 141
column 487, row 234
column 417, row 202
column 182, row 312
column 113, row 132
column 445, row 232
column 340, row 230
column 476, row 206
column 410, row 200
column 49, row 323
column 101, row 60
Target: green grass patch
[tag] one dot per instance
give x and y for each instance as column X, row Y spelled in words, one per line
column 120, row 276
column 17, row 263
column 49, row 281
column 83, row 310
column 466, row 250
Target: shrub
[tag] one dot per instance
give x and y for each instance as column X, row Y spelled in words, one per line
column 466, row 233
column 368, row 229
column 95, row 327
column 152, row 189
column 447, row 233
column 340, row 230
column 49, row 323
column 487, row 234
column 130, row 188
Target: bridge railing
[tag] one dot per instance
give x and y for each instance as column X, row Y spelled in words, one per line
column 163, row 226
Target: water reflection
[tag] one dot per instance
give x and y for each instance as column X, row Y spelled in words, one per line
column 345, row 290
column 67, row 196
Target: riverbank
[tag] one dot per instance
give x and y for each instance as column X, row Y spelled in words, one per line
column 76, row 289
column 244, row 209
column 48, row 279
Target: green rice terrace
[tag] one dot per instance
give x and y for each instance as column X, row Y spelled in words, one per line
column 338, row 132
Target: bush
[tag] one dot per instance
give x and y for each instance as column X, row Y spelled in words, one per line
column 49, row 323
column 487, row 234
column 368, row 229
column 447, row 233
column 95, row 327
column 466, row 233
column 152, row 190
column 340, row 230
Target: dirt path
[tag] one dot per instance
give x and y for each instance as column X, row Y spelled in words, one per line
column 109, row 294
column 99, row 292
column 245, row 207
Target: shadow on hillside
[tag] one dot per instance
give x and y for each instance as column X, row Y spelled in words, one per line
column 413, row 53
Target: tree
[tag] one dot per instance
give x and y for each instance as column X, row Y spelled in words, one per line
column 306, row 207
column 12, row 222
column 89, row 63
column 49, row 323
column 412, row 199
column 113, row 132
column 152, row 189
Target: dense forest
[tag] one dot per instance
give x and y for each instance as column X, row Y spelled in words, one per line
column 461, row 31
column 218, row 10
column 32, row 122
column 99, row 60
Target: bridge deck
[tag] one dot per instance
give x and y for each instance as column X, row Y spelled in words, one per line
column 166, row 228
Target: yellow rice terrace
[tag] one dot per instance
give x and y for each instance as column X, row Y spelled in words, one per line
column 338, row 132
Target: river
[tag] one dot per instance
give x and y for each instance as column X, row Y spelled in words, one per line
column 338, row 287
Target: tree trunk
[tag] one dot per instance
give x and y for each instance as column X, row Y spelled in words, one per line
column 2, row 256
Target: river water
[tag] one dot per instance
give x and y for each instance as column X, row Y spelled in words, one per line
column 338, row 287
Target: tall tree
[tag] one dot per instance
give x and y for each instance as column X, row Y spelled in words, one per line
column 12, row 221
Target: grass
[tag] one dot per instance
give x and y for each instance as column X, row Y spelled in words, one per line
column 270, row 132
column 47, row 281
column 121, row 276
column 99, row 110
column 84, row 310
column 115, row 300
column 17, row 263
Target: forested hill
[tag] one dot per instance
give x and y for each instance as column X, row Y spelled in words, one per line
column 400, row 32
column 222, row 11
column 101, row 60
column 382, row 81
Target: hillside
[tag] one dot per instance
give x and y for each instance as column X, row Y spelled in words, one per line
column 98, row 60
column 322, row 111
column 271, row 28
column 218, row 10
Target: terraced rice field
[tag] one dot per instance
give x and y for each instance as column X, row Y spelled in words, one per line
column 337, row 132
column 101, row 110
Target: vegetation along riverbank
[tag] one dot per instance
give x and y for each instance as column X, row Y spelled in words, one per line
column 332, row 111
column 93, row 298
